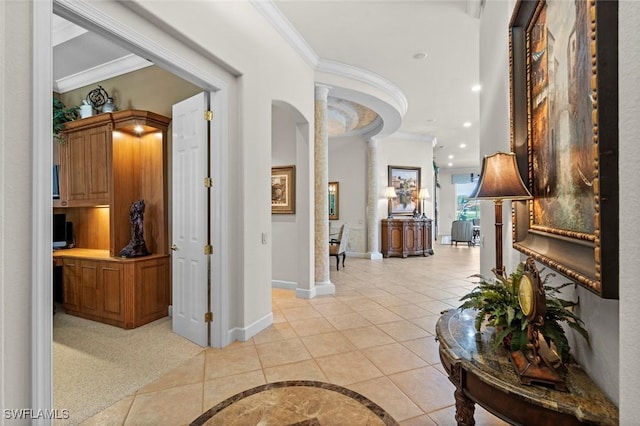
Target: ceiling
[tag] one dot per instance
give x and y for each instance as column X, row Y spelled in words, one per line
column 428, row 49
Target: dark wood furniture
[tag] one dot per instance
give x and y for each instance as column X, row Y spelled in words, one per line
column 402, row 237
column 107, row 162
column 483, row 374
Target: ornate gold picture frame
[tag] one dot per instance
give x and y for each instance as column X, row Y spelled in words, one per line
column 564, row 132
column 283, row 190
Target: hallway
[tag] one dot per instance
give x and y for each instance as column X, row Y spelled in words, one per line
column 375, row 336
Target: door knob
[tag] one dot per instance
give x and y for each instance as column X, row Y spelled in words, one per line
column 174, row 247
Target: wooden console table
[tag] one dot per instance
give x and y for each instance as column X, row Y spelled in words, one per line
column 406, row 237
column 482, row 374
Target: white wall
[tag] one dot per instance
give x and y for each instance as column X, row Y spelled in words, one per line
column 402, row 151
column 268, row 69
column 15, row 206
column 629, row 158
column 348, row 167
column 290, row 232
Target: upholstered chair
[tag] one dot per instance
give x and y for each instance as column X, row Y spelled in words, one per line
column 338, row 246
column 462, row 231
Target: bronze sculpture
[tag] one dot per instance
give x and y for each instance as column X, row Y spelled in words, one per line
column 136, row 246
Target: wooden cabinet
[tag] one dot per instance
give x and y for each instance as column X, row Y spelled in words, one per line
column 107, row 162
column 126, row 293
column 85, row 172
column 114, row 159
column 406, row 237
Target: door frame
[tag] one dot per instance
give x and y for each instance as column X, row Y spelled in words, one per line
column 42, row 295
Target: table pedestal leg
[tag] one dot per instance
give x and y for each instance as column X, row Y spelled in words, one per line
column 464, row 409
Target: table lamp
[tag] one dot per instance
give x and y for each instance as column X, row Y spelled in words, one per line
column 423, row 195
column 500, row 180
column 390, row 193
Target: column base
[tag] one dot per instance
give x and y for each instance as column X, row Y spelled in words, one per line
column 319, row 289
column 374, row 255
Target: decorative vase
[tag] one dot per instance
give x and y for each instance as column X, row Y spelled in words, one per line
column 109, row 106
column 86, row 110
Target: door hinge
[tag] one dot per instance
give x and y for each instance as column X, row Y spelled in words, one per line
column 208, row 317
column 208, row 249
column 208, row 115
column 208, row 182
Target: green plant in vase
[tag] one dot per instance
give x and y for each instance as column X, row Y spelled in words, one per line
column 496, row 303
column 61, row 115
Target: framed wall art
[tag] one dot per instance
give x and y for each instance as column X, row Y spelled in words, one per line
column 334, row 200
column 406, row 182
column 283, row 190
column 564, row 132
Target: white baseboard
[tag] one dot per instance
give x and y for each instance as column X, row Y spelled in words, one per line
column 287, row 285
column 357, row 254
column 246, row 333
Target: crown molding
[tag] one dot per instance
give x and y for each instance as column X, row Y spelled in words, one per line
column 105, row 25
column 367, row 77
column 474, row 8
column 276, row 18
column 101, row 72
column 63, row 30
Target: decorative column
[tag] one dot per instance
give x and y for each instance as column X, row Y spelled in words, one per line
column 321, row 173
column 372, row 201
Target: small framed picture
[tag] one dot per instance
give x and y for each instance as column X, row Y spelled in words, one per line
column 283, row 190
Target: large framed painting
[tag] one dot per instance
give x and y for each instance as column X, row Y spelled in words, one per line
column 283, row 190
column 564, row 132
column 406, row 182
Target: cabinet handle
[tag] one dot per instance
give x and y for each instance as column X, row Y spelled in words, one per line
column 174, row 247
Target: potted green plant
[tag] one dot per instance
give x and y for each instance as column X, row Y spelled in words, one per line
column 61, row 115
column 496, row 303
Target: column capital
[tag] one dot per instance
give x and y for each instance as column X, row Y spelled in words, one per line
column 322, row 90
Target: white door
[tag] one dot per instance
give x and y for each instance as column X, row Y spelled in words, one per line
column 190, row 233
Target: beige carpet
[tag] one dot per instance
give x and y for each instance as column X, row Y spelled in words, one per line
column 96, row 365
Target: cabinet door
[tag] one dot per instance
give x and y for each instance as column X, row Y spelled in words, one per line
column 419, row 227
column 70, row 280
column 90, row 291
column 112, row 284
column 410, row 238
column 85, row 164
column 396, row 239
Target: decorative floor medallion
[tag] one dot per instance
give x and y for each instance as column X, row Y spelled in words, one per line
column 296, row 403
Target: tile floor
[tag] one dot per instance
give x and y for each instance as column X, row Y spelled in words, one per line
column 374, row 336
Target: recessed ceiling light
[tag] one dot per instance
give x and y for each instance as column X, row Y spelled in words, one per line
column 450, row 164
column 450, row 156
column 476, row 88
column 467, row 124
column 463, row 145
column 420, row 55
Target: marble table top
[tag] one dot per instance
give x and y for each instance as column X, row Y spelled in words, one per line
column 479, row 354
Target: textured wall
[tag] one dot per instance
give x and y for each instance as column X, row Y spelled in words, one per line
column 629, row 72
